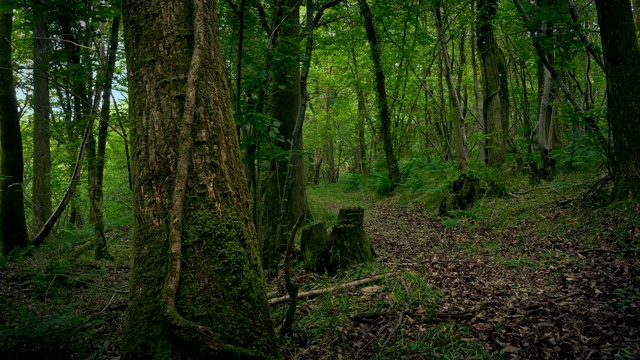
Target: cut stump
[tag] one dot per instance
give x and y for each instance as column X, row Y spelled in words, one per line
column 314, row 247
column 463, row 195
column 350, row 244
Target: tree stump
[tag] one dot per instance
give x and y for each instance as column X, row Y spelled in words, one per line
column 314, row 247
column 350, row 244
column 462, row 196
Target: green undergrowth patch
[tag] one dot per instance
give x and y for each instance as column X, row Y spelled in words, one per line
column 386, row 319
column 326, row 199
column 54, row 306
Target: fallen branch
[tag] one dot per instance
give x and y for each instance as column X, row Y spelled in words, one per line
column 317, row 292
column 604, row 251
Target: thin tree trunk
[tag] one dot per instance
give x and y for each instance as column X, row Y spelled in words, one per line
column 476, row 86
column 13, row 226
column 383, row 107
column 461, row 154
column 636, row 16
column 96, row 181
column 41, row 194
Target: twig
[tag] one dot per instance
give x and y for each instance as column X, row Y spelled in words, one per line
column 314, row 293
column 400, row 318
column 92, row 284
column 109, row 303
column 460, row 315
column 292, row 289
column 604, row 250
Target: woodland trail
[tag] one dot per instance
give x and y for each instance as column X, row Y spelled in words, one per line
column 522, row 297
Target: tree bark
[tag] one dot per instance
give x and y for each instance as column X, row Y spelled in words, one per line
column 13, row 226
column 383, row 107
column 284, row 107
column 41, row 194
column 197, row 288
column 494, row 85
column 621, row 50
column 96, row 177
column 461, row 154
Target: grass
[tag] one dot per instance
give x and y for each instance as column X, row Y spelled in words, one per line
column 55, row 304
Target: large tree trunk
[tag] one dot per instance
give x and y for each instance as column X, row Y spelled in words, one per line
column 197, row 289
column 285, row 102
column 494, row 85
column 41, row 194
column 622, row 57
column 383, row 107
column 13, row 227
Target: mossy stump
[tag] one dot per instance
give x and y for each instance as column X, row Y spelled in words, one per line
column 350, row 244
column 314, row 247
column 463, row 194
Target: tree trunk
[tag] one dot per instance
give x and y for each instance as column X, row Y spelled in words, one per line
column 494, row 85
column 41, row 194
column 13, row 226
column 285, row 102
column 360, row 162
column 621, row 51
column 96, row 177
column 461, row 153
column 197, row 289
column 636, row 16
column 383, row 107
column 476, row 86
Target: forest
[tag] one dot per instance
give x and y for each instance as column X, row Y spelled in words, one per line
column 319, row 179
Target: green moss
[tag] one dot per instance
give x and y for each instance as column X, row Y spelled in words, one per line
column 221, row 284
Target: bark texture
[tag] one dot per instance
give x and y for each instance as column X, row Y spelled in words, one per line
column 494, row 85
column 13, row 227
column 621, row 51
column 285, row 103
column 461, row 152
column 197, row 290
column 383, row 106
column 41, row 194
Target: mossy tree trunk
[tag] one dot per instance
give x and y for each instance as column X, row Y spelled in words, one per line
column 621, row 50
column 383, row 107
column 284, row 106
column 13, row 227
column 197, row 290
column 494, row 85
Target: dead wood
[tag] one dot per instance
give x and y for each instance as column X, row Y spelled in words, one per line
column 317, row 292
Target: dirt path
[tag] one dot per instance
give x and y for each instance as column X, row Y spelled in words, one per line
column 523, row 297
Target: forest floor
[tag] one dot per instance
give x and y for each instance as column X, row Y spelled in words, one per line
column 550, row 281
column 539, row 275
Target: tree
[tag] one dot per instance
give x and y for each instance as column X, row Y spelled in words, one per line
column 197, row 289
column 494, row 85
column 621, row 50
column 41, row 108
column 13, row 226
column 383, row 107
column 461, row 152
column 284, row 106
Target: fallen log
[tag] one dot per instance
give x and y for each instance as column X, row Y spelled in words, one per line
column 317, row 292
